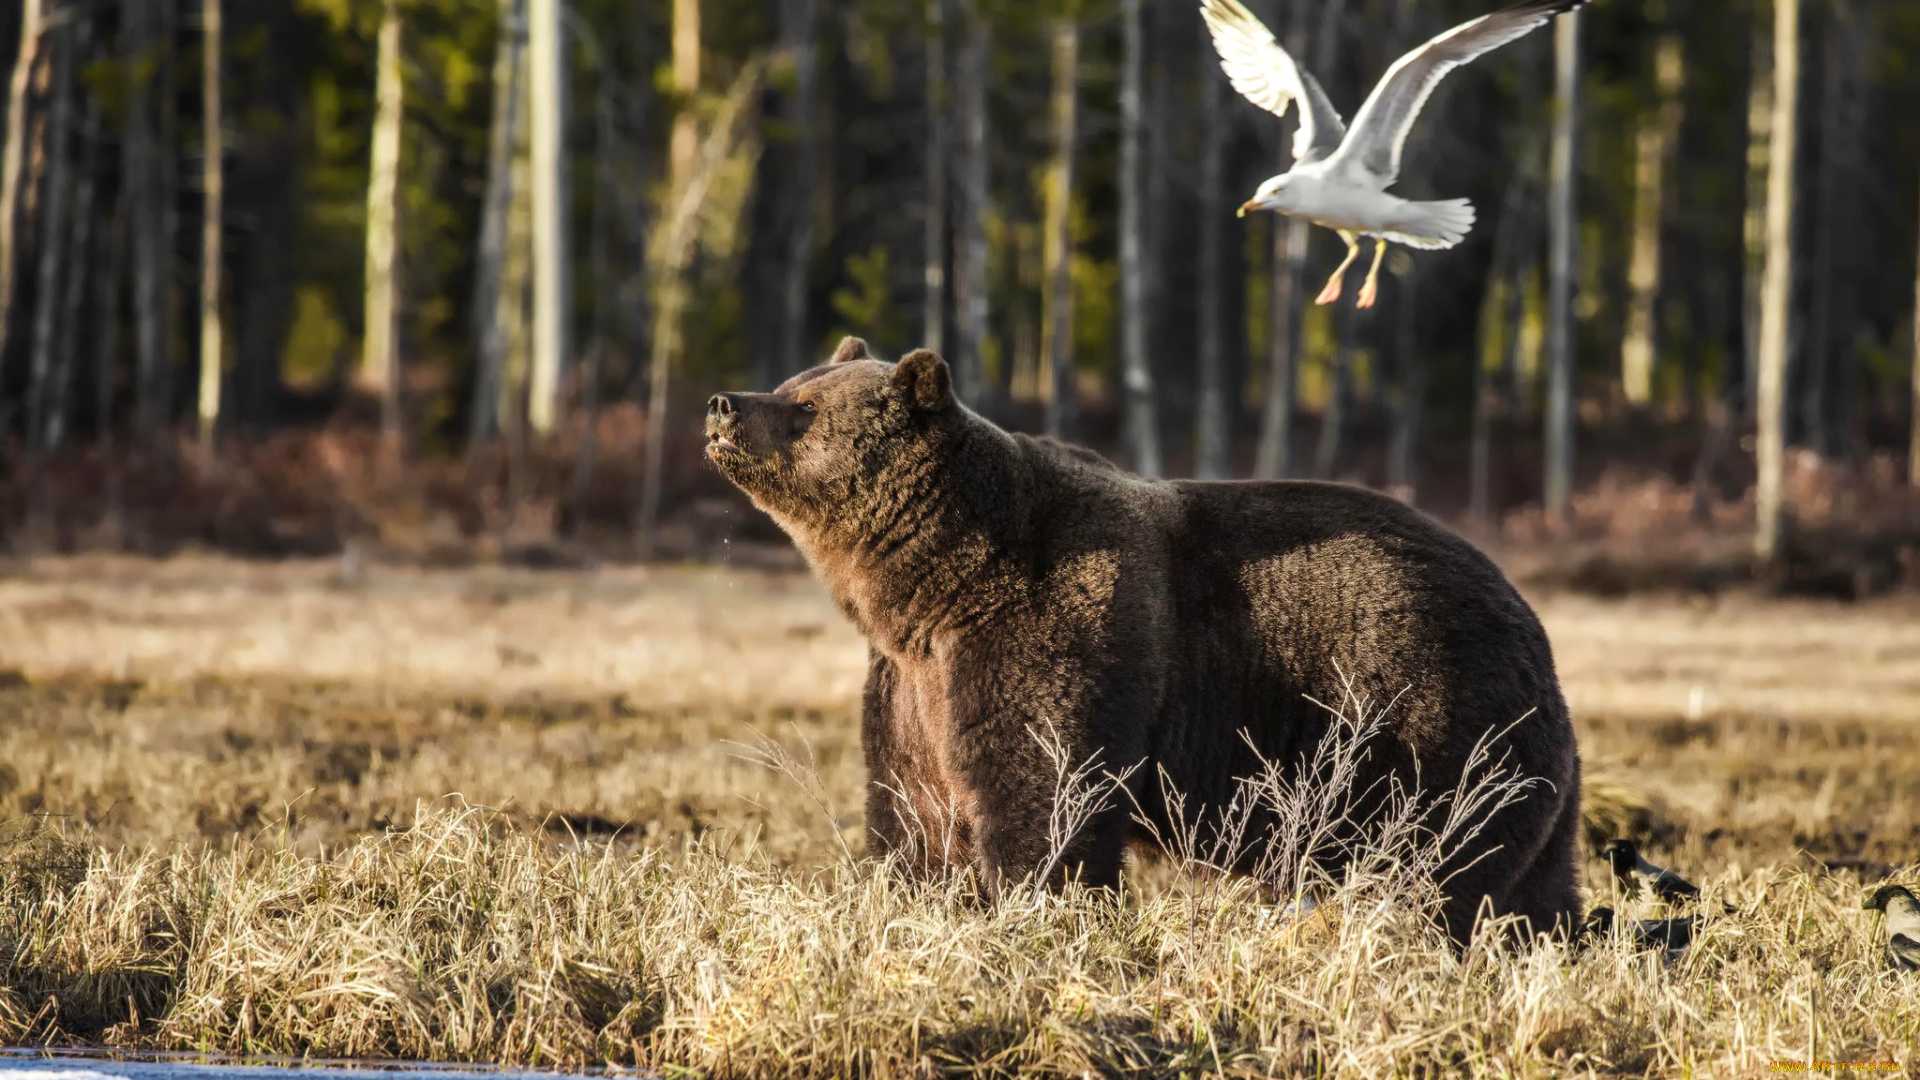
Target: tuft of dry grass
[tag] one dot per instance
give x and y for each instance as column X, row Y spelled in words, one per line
column 225, row 790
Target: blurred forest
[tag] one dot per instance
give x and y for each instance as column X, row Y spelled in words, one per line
column 452, row 277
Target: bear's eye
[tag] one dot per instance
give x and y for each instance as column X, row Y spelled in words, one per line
column 806, row 406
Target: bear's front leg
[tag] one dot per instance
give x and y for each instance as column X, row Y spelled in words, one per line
column 1030, row 814
column 914, row 815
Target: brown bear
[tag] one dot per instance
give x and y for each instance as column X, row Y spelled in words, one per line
column 1007, row 583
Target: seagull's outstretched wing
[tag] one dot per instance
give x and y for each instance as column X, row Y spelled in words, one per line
column 1380, row 128
column 1265, row 75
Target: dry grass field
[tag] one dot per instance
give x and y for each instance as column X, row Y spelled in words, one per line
column 517, row 816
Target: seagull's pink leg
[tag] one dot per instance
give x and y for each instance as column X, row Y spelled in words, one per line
column 1370, row 291
column 1332, row 292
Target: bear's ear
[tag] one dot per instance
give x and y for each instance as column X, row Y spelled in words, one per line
column 851, row 348
column 922, row 378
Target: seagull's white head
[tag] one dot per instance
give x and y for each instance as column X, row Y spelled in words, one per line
column 1275, row 194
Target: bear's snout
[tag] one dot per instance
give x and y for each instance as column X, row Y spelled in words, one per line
column 723, row 420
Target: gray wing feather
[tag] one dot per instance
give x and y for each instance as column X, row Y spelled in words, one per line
column 1264, row 74
column 1380, row 129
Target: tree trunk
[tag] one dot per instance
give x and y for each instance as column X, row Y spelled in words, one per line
column 671, row 268
column 516, row 307
column 13, row 158
column 266, row 178
column 1142, row 423
column 600, row 251
column 933, row 318
column 1659, row 127
column 1561, row 374
column 1403, row 477
column 1506, row 284
column 1913, row 422
column 1213, row 414
column 489, row 324
column 970, row 228
column 140, row 177
column 211, row 353
column 380, row 363
column 167, row 190
column 107, row 310
column 1273, row 458
column 1333, row 421
column 1486, row 402
column 51, row 232
column 799, row 24
column 1777, row 293
column 1058, row 329
column 547, row 71
column 80, row 267
column 1754, row 230
column 1830, row 327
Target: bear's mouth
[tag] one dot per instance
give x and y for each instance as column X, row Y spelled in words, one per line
column 721, row 439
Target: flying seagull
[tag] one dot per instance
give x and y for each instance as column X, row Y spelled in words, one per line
column 1340, row 177
column 1629, row 867
column 1902, row 913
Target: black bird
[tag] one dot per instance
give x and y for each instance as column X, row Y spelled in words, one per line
column 1629, row 867
column 1672, row 935
column 1902, row 913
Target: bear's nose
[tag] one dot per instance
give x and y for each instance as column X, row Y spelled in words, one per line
column 720, row 405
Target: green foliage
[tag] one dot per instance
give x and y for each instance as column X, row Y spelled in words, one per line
column 865, row 305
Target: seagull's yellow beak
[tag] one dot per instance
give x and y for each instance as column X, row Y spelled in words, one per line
column 1250, row 204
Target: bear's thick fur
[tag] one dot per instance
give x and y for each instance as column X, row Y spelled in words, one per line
column 1007, row 583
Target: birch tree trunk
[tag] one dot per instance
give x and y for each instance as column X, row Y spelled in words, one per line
column 13, row 157
column 1777, row 290
column 1142, row 421
column 52, row 231
column 1562, row 222
column 799, row 25
column 933, row 318
column 1057, row 331
column 489, row 323
column 1659, row 127
column 970, row 228
column 546, row 68
column 380, row 362
column 1214, row 412
column 211, row 352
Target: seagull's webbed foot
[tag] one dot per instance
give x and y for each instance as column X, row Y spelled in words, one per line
column 1332, row 292
column 1370, row 291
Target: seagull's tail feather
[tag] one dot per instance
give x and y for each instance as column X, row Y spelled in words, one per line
column 1431, row 226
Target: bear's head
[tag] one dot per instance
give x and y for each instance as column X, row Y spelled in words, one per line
column 837, row 442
